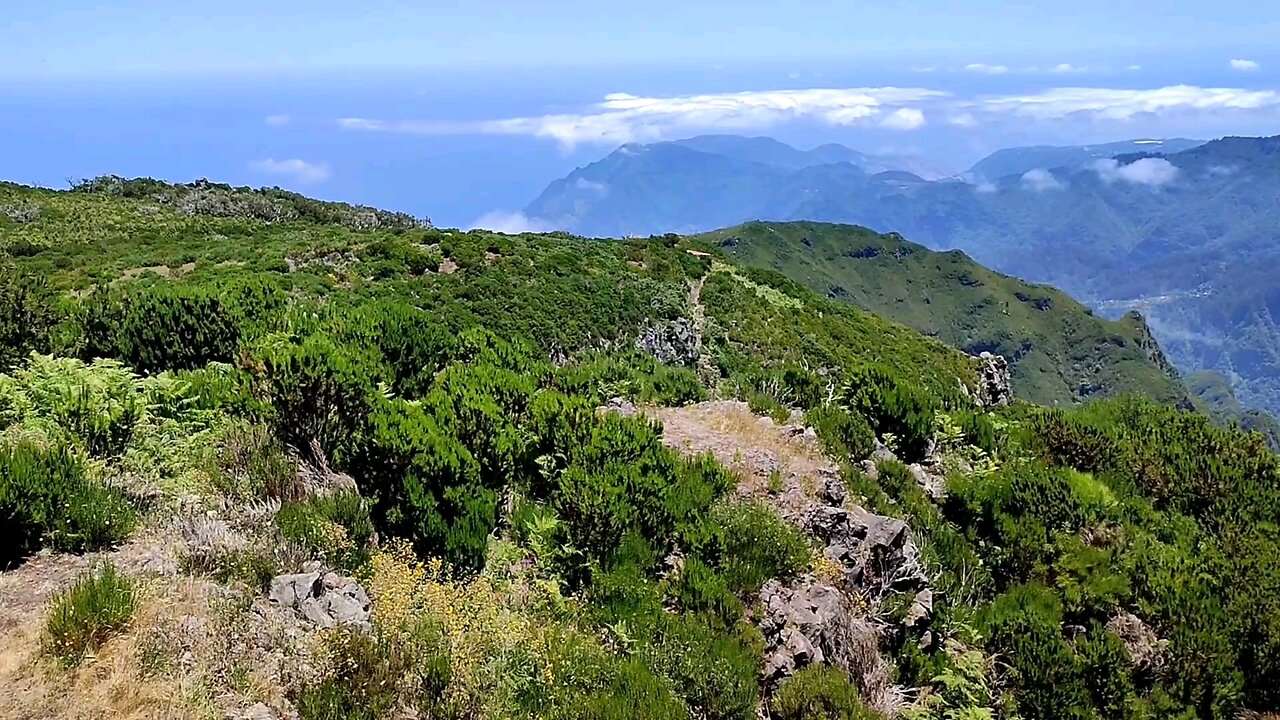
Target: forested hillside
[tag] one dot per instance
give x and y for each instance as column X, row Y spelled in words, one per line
column 1187, row 238
column 264, row 457
column 1059, row 352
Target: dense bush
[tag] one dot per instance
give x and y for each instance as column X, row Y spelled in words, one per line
column 81, row 619
column 27, row 315
column 905, row 411
column 843, row 433
column 161, row 328
column 748, row 544
column 336, row 527
column 819, row 693
column 46, row 497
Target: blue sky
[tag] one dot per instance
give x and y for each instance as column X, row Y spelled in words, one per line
column 89, row 37
column 457, row 109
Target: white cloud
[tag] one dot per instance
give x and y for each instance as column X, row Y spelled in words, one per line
column 904, row 119
column 985, row 188
column 963, row 119
column 1135, row 68
column 1146, row 171
column 622, row 117
column 300, row 170
column 277, row 120
column 793, row 75
column 987, row 69
column 1244, row 65
column 358, row 123
column 598, row 188
column 1064, row 68
column 1040, row 180
column 1123, row 104
column 1222, row 170
column 512, row 223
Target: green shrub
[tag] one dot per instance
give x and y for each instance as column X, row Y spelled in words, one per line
column 714, row 672
column 27, row 316
column 337, row 527
column 97, row 405
column 161, row 328
column 375, row 676
column 819, row 693
column 45, row 496
column 1105, row 666
column 426, row 485
column 701, row 590
column 320, row 391
column 82, row 618
column 845, row 435
column 254, row 464
column 748, row 544
column 906, row 411
column 1025, row 626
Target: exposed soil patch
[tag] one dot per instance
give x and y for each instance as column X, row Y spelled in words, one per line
column 780, row 463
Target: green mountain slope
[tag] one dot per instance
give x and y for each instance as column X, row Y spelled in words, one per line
column 1059, row 351
column 251, row 417
column 1187, row 239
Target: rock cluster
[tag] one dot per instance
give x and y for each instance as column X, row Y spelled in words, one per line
column 993, row 381
column 876, row 552
column 327, row 600
column 674, row 342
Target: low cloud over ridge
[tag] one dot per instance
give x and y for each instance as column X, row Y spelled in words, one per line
column 299, row 170
column 624, row 118
column 1146, row 171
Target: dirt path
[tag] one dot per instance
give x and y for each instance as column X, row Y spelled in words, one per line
column 783, row 464
column 25, row 590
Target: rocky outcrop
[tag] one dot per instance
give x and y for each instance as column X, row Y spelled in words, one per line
column 327, row 600
column 804, row 623
column 993, row 381
column 674, row 342
column 876, row 552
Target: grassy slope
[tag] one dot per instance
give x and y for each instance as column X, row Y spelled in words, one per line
column 552, row 289
column 1060, row 352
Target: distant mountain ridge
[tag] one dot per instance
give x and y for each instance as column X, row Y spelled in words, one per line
column 702, row 183
column 1020, row 160
column 1189, row 238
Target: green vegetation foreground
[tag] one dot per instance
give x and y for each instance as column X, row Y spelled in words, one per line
column 163, row 343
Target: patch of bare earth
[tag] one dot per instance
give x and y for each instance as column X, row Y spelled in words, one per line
column 195, row 648
column 783, row 464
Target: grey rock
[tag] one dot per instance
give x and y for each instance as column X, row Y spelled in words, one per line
column 621, row 406
column 325, row 600
column 291, row 590
column 882, row 452
column 935, row 484
column 870, row 470
column 674, row 342
column 808, row 622
column 876, row 551
column 993, row 381
column 833, row 490
column 921, row 609
column 257, row 712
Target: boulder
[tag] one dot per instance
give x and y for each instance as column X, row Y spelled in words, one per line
column 674, row 342
column 326, row 600
column 832, row 490
column 933, row 483
column 993, row 381
column 876, row 551
column 810, row 621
